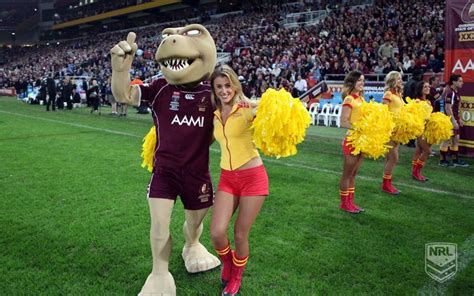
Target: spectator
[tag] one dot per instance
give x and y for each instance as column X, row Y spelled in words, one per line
column 386, row 50
column 301, row 85
column 94, row 95
column 51, row 86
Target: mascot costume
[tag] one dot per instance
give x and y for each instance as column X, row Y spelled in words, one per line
column 183, row 120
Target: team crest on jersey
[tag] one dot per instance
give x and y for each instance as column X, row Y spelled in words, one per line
column 202, row 105
column 174, row 104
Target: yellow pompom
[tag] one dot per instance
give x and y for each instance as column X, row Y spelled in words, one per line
column 148, row 149
column 438, row 128
column 371, row 133
column 420, row 108
column 280, row 123
column 410, row 121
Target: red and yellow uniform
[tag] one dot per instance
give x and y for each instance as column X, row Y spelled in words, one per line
column 354, row 102
column 418, row 161
column 235, row 137
column 237, row 148
column 395, row 105
column 395, row 102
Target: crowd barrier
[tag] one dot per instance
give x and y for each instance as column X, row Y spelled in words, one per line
column 11, row 92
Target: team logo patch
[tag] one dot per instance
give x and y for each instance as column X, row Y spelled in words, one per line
column 204, row 194
column 441, row 261
column 202, row 105
column 174, row 104
column 204, row 188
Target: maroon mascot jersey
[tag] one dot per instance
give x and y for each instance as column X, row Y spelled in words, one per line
column 184, row 124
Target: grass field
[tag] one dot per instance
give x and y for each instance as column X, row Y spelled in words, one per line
column 75, row 221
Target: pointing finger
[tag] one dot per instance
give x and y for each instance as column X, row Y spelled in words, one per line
column 131, row 38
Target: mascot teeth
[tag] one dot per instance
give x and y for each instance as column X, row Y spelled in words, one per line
column 176, row 64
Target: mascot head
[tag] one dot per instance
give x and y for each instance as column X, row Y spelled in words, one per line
column 186, row 55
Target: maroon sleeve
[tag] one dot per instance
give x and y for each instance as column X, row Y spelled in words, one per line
column 148, row 92
column 449, row 97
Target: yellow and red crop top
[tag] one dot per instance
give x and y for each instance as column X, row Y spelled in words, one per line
column 395, row 102
column 354, row 102
column 235, row 137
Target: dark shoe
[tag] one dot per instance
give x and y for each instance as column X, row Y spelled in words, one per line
column 460, row 163
column 446, row 163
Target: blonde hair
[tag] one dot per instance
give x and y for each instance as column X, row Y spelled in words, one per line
column 350, row 83
column 226, row 71
column 391, row 82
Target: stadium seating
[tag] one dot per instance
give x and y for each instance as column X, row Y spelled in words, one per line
column 335, row 116
column 313, row 112
column 256, row 45
column 324, row 115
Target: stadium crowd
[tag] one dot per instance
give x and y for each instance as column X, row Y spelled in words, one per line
column 375, row 39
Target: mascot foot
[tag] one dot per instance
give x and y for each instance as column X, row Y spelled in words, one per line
column 197, row 259
column 159, row 285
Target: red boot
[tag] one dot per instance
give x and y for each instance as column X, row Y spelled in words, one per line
column 346, row 204
column 238, row 267
column 351, row 200
column 226, row 258
column 414, row 167
column 387, row 185
column 417, row 173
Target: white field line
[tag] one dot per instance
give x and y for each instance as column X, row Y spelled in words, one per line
column 271, row 160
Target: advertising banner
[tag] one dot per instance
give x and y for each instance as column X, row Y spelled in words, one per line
column 459, row 59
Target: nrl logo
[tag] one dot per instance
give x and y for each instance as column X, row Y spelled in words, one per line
column 441, row 261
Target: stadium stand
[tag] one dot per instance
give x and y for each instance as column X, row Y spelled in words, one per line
column 264, row 50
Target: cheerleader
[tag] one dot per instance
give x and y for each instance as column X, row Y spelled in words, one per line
column 243, row 182
column 393, row 98
column 353, row 90
column 423, row 149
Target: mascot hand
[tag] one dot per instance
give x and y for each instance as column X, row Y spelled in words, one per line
column 123, row 53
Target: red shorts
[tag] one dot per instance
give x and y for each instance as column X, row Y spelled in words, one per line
column 195, row 189
column 346, row 147
column 245, row 182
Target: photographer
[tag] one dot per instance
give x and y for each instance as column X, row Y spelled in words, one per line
column 94, row 94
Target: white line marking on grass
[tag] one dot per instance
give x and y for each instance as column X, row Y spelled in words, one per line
column 427, row 189
column 279, row 162
column 465, row 255
column 74, row 124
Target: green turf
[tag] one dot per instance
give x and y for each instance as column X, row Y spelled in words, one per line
column 74, row 217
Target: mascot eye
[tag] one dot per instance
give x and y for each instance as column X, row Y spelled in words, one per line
column 164, row 35
column 193, row 32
